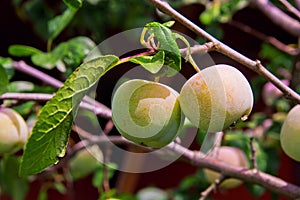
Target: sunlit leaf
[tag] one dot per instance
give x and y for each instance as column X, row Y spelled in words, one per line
column 151, row 63
column 51, row 131
column 167, row 43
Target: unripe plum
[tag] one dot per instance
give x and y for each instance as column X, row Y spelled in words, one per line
column 13, row 132
column 232, row 156
column 216, row 97
column 147, row 113
column 290, row 134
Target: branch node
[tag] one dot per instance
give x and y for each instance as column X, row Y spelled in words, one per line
column 253, row 155
column 213, row 187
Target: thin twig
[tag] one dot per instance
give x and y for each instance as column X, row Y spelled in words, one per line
column 27, row 96
column 107, row 155
column 297, row 3
column 266, row 38
column 254, row 65
column 253, row 154
column 46, row 97
column 201, row 49
column 290, row 8
column 212, row 187
column 278, row 17
column 295, row 80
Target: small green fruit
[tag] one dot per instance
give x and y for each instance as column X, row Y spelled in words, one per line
column 290, row 134
column 230, row 155
column 85, row 162
column 13, row 132
column 216, row 97
column 147, row 113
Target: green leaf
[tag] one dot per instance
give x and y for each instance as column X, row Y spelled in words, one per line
column 15, row 186
column 73, row 4
column 43, row 194
column 22, row 50
column 3, row 80
column 59, row 23
column 61, row 188
column 167, row 43
column 151, row 63
column 51, row 131
column 7, row 64
column 277, row 59
column 70, row 53
column 255, row 190
column 98, row 177
column 49, row 60
column 77, row 49
column 169, row 24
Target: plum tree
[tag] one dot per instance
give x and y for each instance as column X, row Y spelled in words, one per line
column 216, row 97
column 290, row 134
column 14, row 131
column 230, row 155
column 147, row 113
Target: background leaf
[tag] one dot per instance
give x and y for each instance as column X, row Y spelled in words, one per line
column 73, row 4
column 51, row 131
column 22, row 50
column 7, row 64
column 58, row 23
column 70, row 54
column 49, row 60
column 3, row 80
column 12, row 184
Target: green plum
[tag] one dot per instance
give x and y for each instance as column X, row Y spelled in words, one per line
column 216, row 97
column 147, row 113
column 290, row 134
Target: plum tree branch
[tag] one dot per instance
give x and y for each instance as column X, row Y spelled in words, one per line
column 254, row 65
column 47, row 97
column 290, row 8
column 266, row 38
column 269, row 182
column 278, row 17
